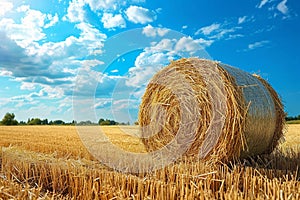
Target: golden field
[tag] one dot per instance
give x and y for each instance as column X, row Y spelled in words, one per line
column 50, row 162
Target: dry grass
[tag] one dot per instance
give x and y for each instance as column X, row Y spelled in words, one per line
column 51, row 163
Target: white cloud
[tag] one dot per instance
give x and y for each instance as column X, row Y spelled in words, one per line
column 160, row 54
column 140, row 15
column 87, row 79
column 282, row 7
column 91, row 38
column 23, row 8
column 204, row 43
column 52, row 20
column 222, row 32
column 146, row 65
column 186, row 44
column 151, row 31
column 242, row 19
column 138, row 1
column 52, row 63
column 33, row 18
column 163, row 45
column 5, row 6
column 111, row 21
column 5, row 73
column 65, row 53
column 75, row 12
column 234, row 36
column 53, row 92
column 258, row 44
column 96, row 5
column 217, row 31
column 114, row 71
column 262, row 3
column 28, row 31
column 207, row 30
column 27, row 86
column 191, row 46
column 102, row 103
column 91, row 63
column 184, row 27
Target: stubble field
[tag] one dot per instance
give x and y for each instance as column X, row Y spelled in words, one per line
column 50, row 162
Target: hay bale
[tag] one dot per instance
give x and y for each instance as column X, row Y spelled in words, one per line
column 201, row 107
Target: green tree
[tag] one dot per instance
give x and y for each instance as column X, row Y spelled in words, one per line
column 104, row 123
column 35, row 121
column 45, row 122
column 58, row 122
column 107, row 122
column 9, row 119
column 101, row 121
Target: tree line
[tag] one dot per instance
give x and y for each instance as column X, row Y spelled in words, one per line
column 9, row 120
column 292, row 118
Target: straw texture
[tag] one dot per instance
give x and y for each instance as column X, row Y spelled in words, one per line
column 211, row 111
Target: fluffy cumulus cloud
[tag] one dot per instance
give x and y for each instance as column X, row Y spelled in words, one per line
column 149, row 62
column 96, row 5
column 28, row 59
column 29, row 30
column 187, row 44
column 146, row 65
column 140, row 15
column 53, row 19
column 75, row 11
column 151, row 31
column 91, row 38
column 5, row 6
column 112, row 21
column 160, row 54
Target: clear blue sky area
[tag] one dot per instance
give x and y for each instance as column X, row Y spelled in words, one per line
column 102, row 54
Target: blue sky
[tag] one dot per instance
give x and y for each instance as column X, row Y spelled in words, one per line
column 101, row 54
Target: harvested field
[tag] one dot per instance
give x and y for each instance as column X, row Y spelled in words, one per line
column 50, row 162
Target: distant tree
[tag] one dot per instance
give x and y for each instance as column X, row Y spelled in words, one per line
column 58, row 122
column 35, row 121
column 22, row 123
column 86, row 123
column 100, row 121
column 45, row 122
column 136, row 123
column 107, row 122
column 9, row 119
column 292, row 118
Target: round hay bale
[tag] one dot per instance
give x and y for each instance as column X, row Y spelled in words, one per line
column 203, row 108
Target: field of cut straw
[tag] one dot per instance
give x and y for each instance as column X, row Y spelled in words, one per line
column 50, row 162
